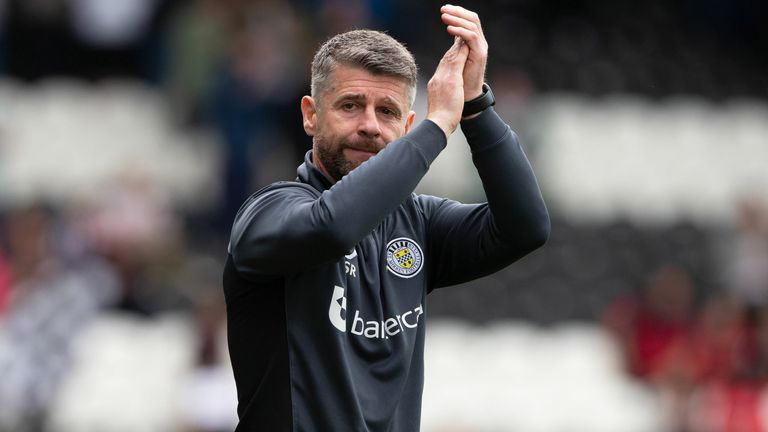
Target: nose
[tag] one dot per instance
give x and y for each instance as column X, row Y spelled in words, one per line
column 369, row 124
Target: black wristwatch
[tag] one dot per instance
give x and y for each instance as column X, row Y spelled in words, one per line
column 479, row 103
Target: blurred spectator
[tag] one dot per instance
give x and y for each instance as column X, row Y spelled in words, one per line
column 28, row 234
column 755, row 347
column 110, row 36
column 746, row 255
column 261, row 82
column 133, row 226
column 728, row 407
column 654, row 329
column 710, row 366
column 52, row 298
column 732, row 375
column 721, row 341
column 5, row 284
column 209, row 399
column 198, row 33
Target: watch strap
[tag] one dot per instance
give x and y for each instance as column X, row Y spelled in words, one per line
column 479, row 103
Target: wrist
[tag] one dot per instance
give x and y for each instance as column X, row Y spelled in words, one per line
column 474, row 94
column 475, row 106
column 443, row 124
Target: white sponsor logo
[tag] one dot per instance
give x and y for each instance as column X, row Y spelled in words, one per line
column 404, row 257
column 367, row 328
column 338, row 309
column 385, row 328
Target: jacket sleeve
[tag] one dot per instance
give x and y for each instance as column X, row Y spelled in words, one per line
column 289, row 228
column 468, row 241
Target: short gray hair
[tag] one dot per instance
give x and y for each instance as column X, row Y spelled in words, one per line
column 373, row 51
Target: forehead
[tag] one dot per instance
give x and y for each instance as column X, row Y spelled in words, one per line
column 355, row 80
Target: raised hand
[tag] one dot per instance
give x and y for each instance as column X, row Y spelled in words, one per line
column 466, row 25
column 445, row 90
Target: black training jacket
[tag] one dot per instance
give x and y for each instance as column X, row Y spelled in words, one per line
column 326, row 284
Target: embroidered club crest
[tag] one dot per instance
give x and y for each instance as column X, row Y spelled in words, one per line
column 404, row 257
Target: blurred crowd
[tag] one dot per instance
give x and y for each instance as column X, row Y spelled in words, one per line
column 239, row 67
column 706, row 353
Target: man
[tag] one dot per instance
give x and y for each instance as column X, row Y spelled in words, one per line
column 327, row 276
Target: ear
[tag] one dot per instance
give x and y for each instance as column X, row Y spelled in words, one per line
column 409, row 121
column 309, row 113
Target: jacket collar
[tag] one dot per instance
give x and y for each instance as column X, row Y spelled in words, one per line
column 308, row 173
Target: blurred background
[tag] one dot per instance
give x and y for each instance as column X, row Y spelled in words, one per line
column 131, row 131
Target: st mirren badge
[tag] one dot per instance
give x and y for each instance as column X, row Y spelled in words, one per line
column 404, row 257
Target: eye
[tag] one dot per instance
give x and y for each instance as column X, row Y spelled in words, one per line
column 388, row 112
column 348, row 106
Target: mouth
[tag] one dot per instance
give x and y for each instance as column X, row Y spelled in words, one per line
column 359, row 154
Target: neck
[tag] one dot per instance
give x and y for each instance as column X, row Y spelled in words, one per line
column 319, row 165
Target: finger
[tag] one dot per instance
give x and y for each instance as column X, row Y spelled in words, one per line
column 475, row 42
column 458, row 21
column 475, row 36
column 461, row 12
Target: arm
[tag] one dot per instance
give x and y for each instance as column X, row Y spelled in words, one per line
column 289, row 228
column 470, row 241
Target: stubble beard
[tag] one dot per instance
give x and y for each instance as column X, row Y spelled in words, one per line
column 332, row 158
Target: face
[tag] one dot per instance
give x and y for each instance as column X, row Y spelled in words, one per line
column 357, row 116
